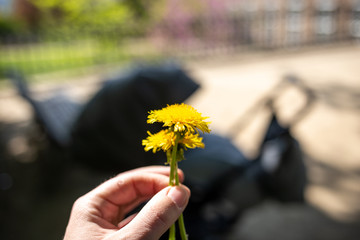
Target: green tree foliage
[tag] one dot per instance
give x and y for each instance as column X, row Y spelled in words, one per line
column 78, row 15
column 10, row 26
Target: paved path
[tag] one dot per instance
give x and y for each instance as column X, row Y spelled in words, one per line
column 329, row 133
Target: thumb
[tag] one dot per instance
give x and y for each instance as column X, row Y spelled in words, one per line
column 157, row 215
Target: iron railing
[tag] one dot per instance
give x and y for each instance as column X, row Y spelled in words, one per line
column 244, row 25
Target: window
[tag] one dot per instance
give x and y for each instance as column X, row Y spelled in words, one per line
column 6, row 7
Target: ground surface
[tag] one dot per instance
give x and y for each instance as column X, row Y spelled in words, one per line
column 328, row 131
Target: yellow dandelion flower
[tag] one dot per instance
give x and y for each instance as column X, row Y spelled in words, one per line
column 165, row 140
column 191, row 141
column 182, row 123
column 180, row 117
column 162, row 140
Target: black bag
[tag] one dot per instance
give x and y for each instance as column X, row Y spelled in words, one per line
column 108, row 133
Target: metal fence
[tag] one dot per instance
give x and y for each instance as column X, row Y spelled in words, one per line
column 244, row 25
column 38, row 54
column 266, row 24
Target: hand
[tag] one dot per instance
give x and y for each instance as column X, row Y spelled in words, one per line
column 100, row 213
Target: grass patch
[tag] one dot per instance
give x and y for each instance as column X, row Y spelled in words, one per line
column 47, row 57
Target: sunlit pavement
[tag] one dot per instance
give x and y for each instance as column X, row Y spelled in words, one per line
column 328, row 131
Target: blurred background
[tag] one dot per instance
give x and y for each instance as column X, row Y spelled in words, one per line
column 240, row 52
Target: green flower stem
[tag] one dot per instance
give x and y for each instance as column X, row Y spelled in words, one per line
column 177, row 182
column 182, row 228
column 181, row 218
column 173, row 165
column 174, row 181
column 172, row 235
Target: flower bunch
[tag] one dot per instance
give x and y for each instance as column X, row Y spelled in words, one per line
column 182, row 124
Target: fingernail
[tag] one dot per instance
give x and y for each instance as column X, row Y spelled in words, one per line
column 179, row 196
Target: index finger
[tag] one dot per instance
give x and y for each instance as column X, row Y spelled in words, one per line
column 141, row 183
column 113, row 199
column 126, row 188
column 164, row 170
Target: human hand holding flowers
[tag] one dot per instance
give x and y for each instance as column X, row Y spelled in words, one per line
column 182, row 124
column 101, row 213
